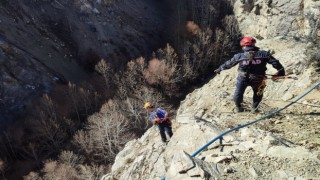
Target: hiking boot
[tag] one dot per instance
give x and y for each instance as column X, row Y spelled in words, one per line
column 239, row 109
column 165, row 142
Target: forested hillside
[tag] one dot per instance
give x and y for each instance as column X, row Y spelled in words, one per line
column 75, row 74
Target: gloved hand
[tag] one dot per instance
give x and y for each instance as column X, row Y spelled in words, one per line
column 217, row 71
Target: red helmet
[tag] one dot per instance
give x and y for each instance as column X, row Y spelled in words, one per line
column 247, row 41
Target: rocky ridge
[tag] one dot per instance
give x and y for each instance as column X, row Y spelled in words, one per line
column 285, row 146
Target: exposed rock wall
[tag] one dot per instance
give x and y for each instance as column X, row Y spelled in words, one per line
column 270, row 18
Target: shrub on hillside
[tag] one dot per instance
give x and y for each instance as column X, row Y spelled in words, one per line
column 163, row 71
column 104, row 68
column 58, row 170
column 203, row 53
column 83, row 101
column 70, row 158
column 132, row 92
column 103, row 136
column 45, row 132
column 130, row 83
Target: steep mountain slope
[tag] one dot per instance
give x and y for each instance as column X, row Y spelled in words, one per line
column 47, row 42
column 285, row 146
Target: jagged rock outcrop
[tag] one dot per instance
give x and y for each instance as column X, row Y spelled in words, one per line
column 285, row 146
column 269, row 18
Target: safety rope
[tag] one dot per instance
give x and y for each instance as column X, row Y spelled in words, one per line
column 252, row 122
column 247, row 124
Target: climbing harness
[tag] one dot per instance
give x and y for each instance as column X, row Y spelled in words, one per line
column 154, row 114
column 162, row 120
column 261, row 88
column 263, row 84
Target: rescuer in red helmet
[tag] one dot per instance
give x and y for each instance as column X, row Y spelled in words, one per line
column 252, row 69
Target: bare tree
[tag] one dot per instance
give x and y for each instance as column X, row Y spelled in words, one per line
column 70, row 158
column 131, row 81
column 104, row 135
column 56, row 170
column 49, row 131
column 164, row 71
column 198, row 54
column 105, row 69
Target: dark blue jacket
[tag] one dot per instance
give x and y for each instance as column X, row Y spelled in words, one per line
column 257, row 66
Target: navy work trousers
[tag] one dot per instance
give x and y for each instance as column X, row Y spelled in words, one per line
column 242, row 84
column 165, row 127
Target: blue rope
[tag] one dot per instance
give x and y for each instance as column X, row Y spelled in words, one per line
column 252, row 122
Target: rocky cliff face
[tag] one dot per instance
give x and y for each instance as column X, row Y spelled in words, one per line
column 43, row 42
column 282, row 147
column 271, row 18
